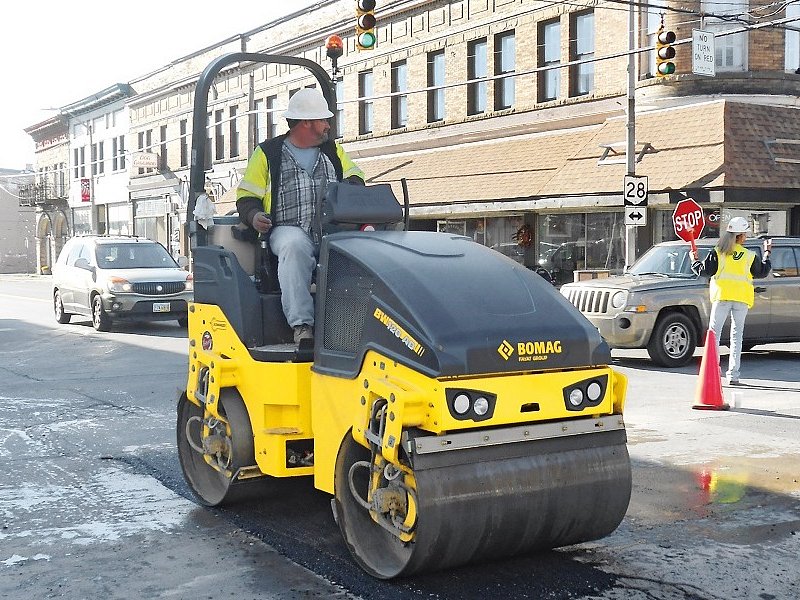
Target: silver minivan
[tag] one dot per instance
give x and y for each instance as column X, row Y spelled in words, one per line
column 662, row 306
column 109, row 278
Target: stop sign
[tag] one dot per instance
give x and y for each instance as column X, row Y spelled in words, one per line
column 688, row 220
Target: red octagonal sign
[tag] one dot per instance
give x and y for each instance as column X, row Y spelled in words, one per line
column 688, row 220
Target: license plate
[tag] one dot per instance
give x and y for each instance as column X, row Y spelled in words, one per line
column 160, row 307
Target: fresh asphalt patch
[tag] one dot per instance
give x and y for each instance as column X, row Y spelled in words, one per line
column 296, row 520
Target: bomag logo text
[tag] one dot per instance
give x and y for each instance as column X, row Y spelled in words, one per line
column 537, row 350
column 399, row 332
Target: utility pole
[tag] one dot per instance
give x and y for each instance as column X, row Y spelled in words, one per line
column 630, row 128
column 92, row 167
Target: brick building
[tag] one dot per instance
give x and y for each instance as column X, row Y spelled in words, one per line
column 506, row 118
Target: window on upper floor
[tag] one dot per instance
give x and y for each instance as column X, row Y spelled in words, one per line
column 272, row 116
column 219, row 135
column 505, row 63
column 82, row 160
column 399, row 87
column 582, row 48
column 365, row 104
column 260, row 118
column 162, row 159
column 118, row 153
column 549, row 56
column 731, row 50
column 339, row 108
column 436, row 110
column 61, row 180
column 184, row 141
column 75, row 163
column 209, row 151
column 476, row 69
column 792, row 54
column 101, row 158
column 145, row 145
column 234, row 131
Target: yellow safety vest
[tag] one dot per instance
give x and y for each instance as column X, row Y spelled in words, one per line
column 733, row 280
column 256, row 181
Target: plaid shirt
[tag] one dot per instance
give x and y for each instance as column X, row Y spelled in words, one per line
column 299, row 192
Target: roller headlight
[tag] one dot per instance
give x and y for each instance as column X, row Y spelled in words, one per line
column 618, row 299
column 575, row 397
column 481, row 406
column 461, row 404
column 470, row 405
column 585, row 394
column 593, row 391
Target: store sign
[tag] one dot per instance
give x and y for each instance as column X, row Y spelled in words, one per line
column 86, row 190
column 145, row 160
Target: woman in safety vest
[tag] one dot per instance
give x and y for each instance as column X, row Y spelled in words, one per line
column 732, row 268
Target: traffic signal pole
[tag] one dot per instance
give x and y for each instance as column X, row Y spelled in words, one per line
column 630, row 127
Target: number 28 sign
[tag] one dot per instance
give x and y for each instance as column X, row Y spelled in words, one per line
column 688, row 220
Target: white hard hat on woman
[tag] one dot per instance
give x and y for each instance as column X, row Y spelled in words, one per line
column 738, row 225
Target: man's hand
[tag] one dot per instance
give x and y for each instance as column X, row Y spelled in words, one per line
column 767, row 246
column 355, row 180
column 261, row 222
column 695, row 255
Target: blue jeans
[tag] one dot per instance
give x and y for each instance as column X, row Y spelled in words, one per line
column 296, row 264
column 719, row 314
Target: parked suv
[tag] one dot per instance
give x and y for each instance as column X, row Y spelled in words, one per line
column 110, row 278
column 662, row 306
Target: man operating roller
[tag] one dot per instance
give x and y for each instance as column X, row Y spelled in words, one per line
column 279, row 192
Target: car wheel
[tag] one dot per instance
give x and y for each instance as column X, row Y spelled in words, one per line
column 100, row 319
column 673, row 341
column 58, row 309
column 183, row 322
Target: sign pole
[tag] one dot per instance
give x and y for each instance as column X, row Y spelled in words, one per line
column 630, row 129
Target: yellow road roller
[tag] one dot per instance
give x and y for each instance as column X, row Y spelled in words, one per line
column 455, row 406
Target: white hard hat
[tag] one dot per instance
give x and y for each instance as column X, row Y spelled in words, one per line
column 738, row 225
column 307, row 103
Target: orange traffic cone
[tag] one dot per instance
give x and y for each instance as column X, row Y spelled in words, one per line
column 708, row 395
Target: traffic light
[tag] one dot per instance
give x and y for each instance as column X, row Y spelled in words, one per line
column 665, row 53
column 365, row 25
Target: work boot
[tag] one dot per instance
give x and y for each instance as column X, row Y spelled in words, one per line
column 302, row 332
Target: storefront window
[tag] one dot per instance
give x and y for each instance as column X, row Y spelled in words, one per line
column 501, row 236
column 580, row 241
column 81, row 221
column 496, row 232
column 118, row 219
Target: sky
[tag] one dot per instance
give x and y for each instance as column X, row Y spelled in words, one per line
column 53, row 53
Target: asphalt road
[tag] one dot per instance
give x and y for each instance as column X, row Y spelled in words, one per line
column 93, row 504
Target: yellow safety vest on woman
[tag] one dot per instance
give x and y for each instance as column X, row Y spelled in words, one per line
column 733, row 280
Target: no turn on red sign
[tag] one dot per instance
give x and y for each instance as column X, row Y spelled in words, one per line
column 688, row 220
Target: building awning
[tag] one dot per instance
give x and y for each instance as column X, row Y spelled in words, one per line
column 715, row 144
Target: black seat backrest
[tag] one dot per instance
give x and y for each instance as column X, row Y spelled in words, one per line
column 219, row 279
column 346, row 207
